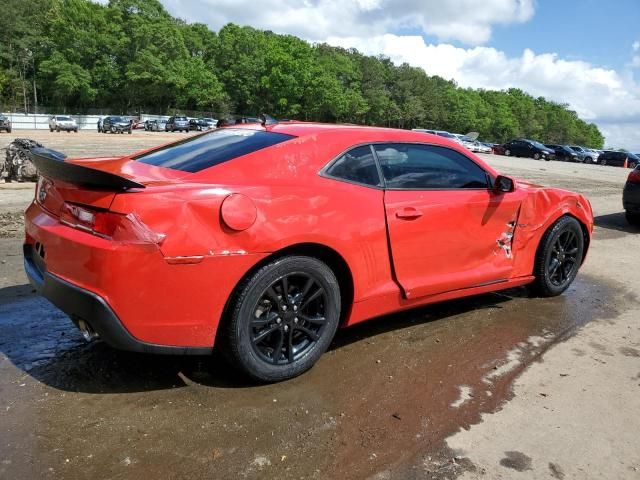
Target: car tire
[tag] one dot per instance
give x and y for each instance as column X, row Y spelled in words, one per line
column 51, row 129
column 603, row 161
column 8, row 130
column 262, row 320
column 536, row 156
column 632, row 218
column 129, row 132
column 507, row 152
column 57, row 130
column 632, row 164
column 588, row 160
column 558, row 258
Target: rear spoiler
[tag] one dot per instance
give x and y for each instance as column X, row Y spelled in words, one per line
column 51, row 164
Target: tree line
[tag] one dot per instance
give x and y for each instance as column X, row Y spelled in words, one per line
column 132, row 55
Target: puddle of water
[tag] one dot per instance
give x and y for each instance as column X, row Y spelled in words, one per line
column 388, row 392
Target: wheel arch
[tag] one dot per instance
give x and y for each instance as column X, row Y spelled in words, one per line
column 334, row 260
column 585, row 233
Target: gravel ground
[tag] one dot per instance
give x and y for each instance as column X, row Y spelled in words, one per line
column 495, row 386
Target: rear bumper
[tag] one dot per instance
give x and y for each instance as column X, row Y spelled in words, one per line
column 130, row 294
column 81, row 304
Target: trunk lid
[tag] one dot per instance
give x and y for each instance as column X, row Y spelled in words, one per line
column 92, row 182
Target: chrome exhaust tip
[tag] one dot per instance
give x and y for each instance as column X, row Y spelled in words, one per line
column 88, row 333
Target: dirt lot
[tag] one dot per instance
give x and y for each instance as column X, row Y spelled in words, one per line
column 495, row 386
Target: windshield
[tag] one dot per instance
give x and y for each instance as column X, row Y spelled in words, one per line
column 197, row 153
column 118, row 119
column 64, row 119
column 538, row 144
column 445, row 134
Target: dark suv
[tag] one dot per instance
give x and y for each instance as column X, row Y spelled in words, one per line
column 522, row 147
column 617, row 159
column 116, row 125
column 566, row 154
column 178, row 123
column 5, row 123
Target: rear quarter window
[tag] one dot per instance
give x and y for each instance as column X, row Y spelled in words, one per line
column 204, row 151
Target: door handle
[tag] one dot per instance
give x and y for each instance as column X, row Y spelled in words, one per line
column 408, row 213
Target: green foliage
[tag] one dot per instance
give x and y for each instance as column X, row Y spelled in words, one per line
column 131, row 55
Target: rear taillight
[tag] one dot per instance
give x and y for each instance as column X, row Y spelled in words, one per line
column 113, row 226
column 634, row 177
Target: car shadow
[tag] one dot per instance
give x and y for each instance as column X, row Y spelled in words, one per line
column 615, row 222
column 43, row 342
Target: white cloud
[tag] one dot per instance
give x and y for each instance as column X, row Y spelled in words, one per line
column 468, row 21
column 600, row 95
column 636, row 45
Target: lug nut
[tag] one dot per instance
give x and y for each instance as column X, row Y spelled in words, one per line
column 278, row 320
column 295, row 308
column 284, row 307
column 295, row 320
column 286, row 328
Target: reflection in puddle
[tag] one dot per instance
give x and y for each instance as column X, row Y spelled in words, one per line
column 387, row 392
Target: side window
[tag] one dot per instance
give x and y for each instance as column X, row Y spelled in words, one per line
column 357, row 165
column 414, row 166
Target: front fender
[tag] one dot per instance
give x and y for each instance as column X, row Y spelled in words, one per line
column 541, row 209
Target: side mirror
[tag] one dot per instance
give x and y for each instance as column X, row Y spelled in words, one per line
column 504, row 184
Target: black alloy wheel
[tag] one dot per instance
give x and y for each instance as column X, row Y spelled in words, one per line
column 289, row 318
column 559, row 257
column 563, row 259
column 282, row 318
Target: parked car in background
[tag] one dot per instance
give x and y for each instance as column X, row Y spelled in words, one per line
column 201, row 124
column 158, row 125
column 522, row 147
column 62, row 122
column 618, row 159
column 5, row 123
column 440, row 133
column 589, row 155
column 565, row 154
column 498, row 148
column 631, row 197
column 480, row 147
column 260, row 269
column 178, row 123
column 136, row 123
column 116, row 124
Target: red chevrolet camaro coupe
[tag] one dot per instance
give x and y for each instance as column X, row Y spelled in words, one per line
column 262, row 240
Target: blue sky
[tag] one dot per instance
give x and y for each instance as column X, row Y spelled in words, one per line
column 579, row 52
column 598, row 31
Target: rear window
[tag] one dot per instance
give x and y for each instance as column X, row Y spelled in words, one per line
column 204, row 151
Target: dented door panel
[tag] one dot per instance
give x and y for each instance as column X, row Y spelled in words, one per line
column 456, row 239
